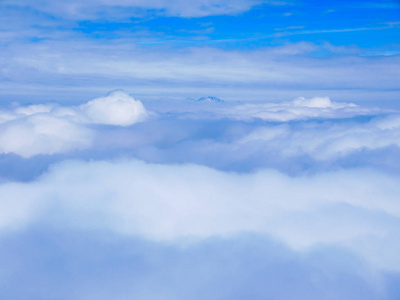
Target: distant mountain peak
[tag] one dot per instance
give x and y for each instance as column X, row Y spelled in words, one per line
column 209, row 99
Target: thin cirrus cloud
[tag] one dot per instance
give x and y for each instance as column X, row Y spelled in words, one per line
column 261, row 74
column 97, row 9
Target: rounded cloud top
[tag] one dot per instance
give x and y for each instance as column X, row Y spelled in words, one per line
column 320, row 102
column 118, row 108
column 49, row 129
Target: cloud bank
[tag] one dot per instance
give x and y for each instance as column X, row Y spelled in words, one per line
column 328, row 140
column 318, row 128
column 48, row 129
column 354, row 209
column 169, row 198
column 257, row 196
column 103, row 266
column 42, row 134
column 299, row 109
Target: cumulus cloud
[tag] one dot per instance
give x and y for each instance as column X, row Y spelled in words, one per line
column 327, row 140
column 321, row 221
column 48, row 129
column 316, row 127
column 118, row 108
column 42, row 134
column 352, row 209
column 299, row 109
column 320, row 102
column 203, row 200
column 304, row 133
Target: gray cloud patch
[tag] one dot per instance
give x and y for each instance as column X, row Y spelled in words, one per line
column 100, row 265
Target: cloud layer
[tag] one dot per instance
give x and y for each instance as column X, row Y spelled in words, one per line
column 355, row 209
column 286, row 189
column 89, row 265
column 265, row 74
column 317, row 127
column 299, row 109
column 306, row 188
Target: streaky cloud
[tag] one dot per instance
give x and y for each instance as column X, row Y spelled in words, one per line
column 124, row 9
column 267, row 73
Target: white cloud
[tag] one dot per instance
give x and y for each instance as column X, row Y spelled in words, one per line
column 354, row 209
column 42, row 134
column 328, row 140
column 320, row 102
column 94, row 9
column 320, row 131
column 273, row 74
column 33, row 109
column 48, row 129
column 118, row 108
column 299, row 109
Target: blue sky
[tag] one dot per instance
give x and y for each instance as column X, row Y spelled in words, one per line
column 211, row 149
column 157, row 50
column 368, row 26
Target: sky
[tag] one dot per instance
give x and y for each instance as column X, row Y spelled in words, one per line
column 211, row 149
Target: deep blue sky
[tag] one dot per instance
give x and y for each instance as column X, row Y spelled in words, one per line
column 341, row 23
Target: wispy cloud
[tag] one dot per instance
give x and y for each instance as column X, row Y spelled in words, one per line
column 319, row 31
column 126, row 9
column 194, row 71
